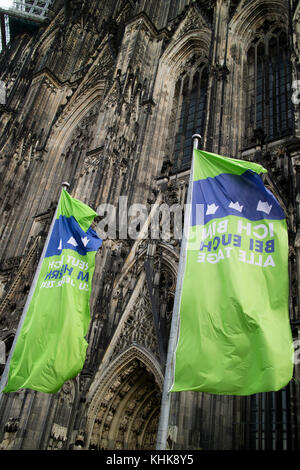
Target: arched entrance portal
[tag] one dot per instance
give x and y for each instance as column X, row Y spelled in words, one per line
column 126, row 416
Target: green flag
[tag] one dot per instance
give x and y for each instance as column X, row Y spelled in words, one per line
column 50, row 348
column 234, row 335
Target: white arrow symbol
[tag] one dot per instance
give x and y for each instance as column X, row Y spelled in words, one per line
column 60, row 245
column 72, row 241
column 85, row 240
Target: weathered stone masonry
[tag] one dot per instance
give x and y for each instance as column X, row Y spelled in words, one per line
column 96, row 98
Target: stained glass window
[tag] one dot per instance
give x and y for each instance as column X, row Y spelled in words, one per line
column 269, row 104
column 188, row 114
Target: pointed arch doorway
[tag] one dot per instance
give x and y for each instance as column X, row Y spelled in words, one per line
column 124, row 411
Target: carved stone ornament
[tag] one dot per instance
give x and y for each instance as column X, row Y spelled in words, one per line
column 10, row 431
column 138, row 327
column 92, row 162
column 58, row 437
column 125, row 406
column 67, row 393
column 191, row 22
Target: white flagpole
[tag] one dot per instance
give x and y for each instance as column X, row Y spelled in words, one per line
column 162, row 433
column 3, row 381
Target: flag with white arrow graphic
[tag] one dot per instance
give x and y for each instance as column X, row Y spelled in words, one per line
column 234, row 335
column 51, row 346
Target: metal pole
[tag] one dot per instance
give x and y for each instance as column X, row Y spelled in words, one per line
column 162, row 433
column 3, row 32
column 65, row 185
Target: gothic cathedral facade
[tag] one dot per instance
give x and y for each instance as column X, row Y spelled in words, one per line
column 107, row 95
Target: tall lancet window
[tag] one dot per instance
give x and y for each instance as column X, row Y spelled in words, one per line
column 188, row 114
column 269, row 105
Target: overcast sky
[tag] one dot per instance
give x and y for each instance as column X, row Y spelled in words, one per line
column 6, row 3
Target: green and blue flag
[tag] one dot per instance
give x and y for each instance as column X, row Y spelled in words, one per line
column 234, row 335
column 51, row 346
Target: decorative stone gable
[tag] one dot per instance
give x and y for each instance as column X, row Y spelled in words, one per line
column 192, row 21
column 138, row 328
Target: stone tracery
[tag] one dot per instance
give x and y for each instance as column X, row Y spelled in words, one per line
column 112, row 112
column 123, row 413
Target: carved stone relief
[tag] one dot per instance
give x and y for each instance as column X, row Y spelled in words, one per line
column 58, row 437
column 10, row 431
column 191, row 22
column 138, row 327
column 126, row 418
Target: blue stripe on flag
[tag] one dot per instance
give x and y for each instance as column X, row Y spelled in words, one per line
column 67, row 234
column 228, row 194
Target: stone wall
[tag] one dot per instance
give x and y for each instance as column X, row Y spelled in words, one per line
column 89, row 102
